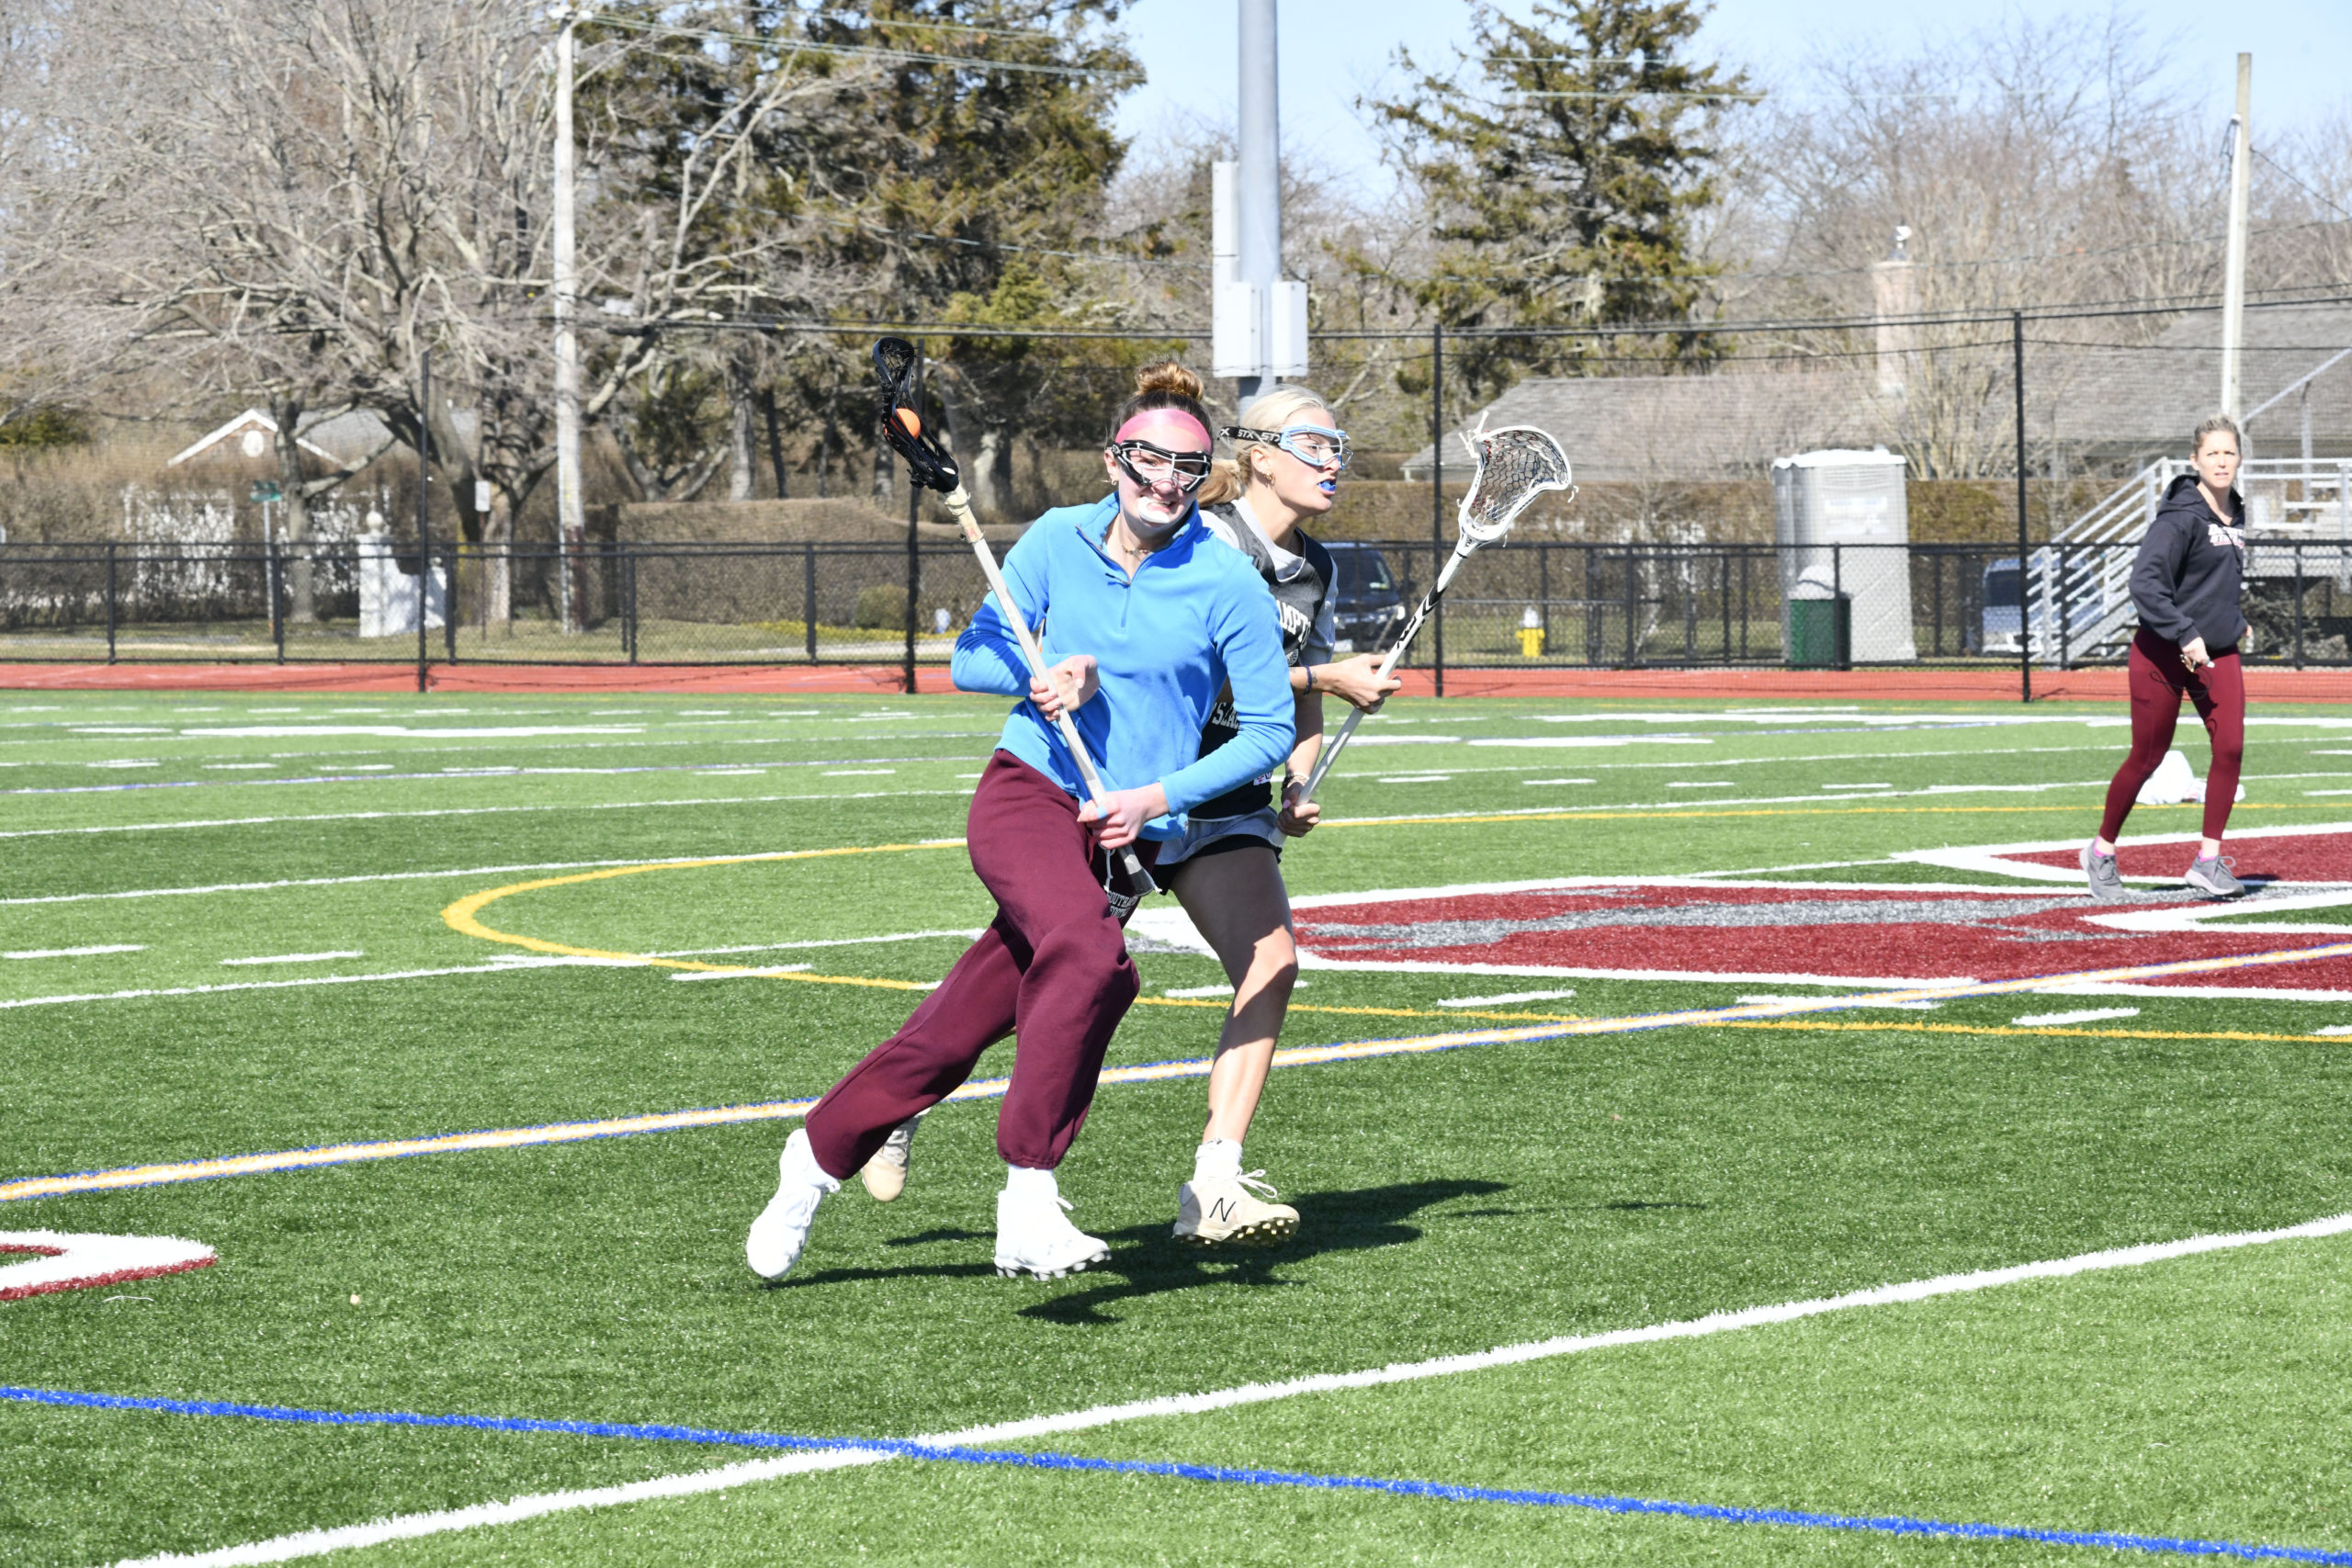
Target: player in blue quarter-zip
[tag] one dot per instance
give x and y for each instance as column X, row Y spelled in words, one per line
column 1146, row 617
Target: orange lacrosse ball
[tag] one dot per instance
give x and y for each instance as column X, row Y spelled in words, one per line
column 909, row 421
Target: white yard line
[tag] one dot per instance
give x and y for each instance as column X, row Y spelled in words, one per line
column 469, row 811
column 410, row 1527
column 506, row 966
column 314, row 882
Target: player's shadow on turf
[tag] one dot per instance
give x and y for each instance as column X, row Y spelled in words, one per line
column 1145, row 1261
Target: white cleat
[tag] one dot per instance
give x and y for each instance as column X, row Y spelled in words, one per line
column 1228, row 1212
column 781, row 1229
column 886, row 1173
column 1033, row 1238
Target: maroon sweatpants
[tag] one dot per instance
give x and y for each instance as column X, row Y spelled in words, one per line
column 1052, row 966
column 2158, row 681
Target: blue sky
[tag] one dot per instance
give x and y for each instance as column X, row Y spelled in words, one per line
column 1333, row 51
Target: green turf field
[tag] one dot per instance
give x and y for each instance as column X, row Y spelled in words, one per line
column 239, row 925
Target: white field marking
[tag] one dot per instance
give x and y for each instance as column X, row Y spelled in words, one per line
column 745, row 974
column 1559, row 780
column 2207, row 993
column 1417, row 778
column 2087, row 1015
column 469, row 811
column 409, row 1526
column 506, row 966
column 854, row 773
column 80, row 729
column 1187, row 993
column 971, row 933
column 2333, row 1028
column 2196, row 916
column 1506, row 997
column 1879, row 785
column 75, row 1260
column 126, row 762
column 296, row 958
column 1994, row 858
column 2328, row 792
column 1700, row 783
column 394, row 731
column 1921, row 1006
column 1408, row 739
column 76, row 952
column 313, row 882
column 1564, row 971
column 1549, row 742
column 237, row 767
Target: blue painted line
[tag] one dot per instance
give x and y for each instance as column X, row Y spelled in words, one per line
column 1881, row 1524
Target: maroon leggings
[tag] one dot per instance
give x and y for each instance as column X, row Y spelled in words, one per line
column 1053, row 966
column 2159, row 680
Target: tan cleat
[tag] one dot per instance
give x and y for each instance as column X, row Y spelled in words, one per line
column 886, row 1174
column 1226, row 1212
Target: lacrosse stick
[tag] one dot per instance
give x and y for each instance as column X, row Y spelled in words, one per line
column 1516, row 464
column 929, row 466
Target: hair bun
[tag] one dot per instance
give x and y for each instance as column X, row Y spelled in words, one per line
column 1168, row 375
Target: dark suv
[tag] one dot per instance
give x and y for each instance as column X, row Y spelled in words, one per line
column 1365, row 604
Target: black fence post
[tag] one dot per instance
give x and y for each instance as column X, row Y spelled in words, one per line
column 628, row 599
column 111, row 549
column 274, row 572
column 2025, row 643
column 449, row 604
column 914, row 556
column 424, row 509
column 1633, row 607
column 1722, row 597
column 1543, row 590
column 2299, row 604
column 1436, row 491
column 808, row 597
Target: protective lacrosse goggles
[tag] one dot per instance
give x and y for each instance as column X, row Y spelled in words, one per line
column 1148, row 465
column 1316, row 446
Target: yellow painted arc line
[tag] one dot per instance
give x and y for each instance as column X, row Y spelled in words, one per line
column 463, row 917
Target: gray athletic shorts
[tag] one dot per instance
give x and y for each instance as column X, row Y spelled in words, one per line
column 1208, row 836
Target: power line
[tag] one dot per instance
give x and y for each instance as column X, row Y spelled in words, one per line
column 783, row 46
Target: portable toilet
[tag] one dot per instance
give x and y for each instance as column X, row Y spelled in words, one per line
column 1842, row 517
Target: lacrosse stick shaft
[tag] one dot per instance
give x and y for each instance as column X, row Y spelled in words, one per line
column 1397, row 652
column 959, row 506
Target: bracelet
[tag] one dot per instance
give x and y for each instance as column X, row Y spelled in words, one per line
column 1310, row 676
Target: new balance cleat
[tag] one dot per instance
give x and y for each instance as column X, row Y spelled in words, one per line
column 2107, row 883
column 886, row 1174
column 781, row 1229
column 1034, row 1237
column 2212, row 875
column 1226, row 1210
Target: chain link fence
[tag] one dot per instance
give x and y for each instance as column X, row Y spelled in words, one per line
column 1525, row 603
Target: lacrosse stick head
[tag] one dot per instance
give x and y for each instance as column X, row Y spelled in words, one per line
column 928, row 464
column 1516, row 464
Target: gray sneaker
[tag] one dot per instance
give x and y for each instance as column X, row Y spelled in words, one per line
column 2211, row 874
column 886, row 1173
column 2106, row 884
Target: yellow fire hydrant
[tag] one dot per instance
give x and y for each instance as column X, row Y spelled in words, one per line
column 1531, row 635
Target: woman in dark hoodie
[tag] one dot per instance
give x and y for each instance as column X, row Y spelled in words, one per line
column 2184, row 585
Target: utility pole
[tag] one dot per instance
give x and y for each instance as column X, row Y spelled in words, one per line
column 1260, row 318
column 571, row 522
column 2234, row 268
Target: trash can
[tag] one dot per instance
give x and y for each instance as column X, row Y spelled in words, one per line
column 1821, row 624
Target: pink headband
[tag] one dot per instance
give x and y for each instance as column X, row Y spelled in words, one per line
column 1127, row 431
